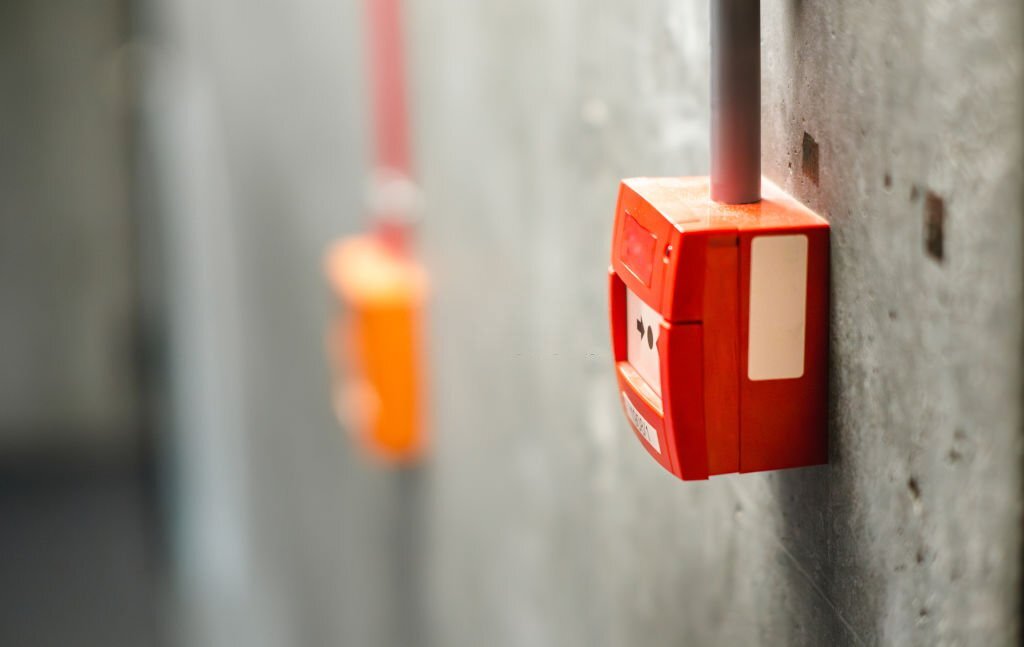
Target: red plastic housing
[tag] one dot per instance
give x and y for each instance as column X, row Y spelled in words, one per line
column 742, row 345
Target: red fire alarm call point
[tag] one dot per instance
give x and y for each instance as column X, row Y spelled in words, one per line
column 720, row 327
column 719, row 296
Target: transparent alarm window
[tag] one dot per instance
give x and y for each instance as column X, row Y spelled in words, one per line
column 643, row 327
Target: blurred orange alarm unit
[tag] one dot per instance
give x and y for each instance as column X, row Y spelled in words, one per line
column 375, row 344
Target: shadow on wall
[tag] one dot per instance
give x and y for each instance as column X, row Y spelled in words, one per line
column 827, row 564
column 834, row 587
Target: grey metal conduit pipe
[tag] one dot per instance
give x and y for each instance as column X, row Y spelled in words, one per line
column 735, row 101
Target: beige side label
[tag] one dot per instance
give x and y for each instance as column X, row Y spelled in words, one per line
column 778, row 307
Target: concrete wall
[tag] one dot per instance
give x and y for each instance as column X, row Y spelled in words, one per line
column 539, row 520
column 550, row 524
column 254, row 131
column 67, row 267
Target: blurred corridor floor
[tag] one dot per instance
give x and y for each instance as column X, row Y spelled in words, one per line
column 78, row 562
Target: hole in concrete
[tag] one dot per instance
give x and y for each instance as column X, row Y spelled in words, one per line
column 934, row 226
column 887, row 180
column 915, row 489
column 893, row 315
column 957, row 451
column 810, row 158
column 920, row 556
column 914, row 193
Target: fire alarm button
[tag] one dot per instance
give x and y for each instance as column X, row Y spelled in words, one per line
column 721, row 345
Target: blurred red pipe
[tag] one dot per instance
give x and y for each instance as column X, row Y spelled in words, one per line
column 387, row 76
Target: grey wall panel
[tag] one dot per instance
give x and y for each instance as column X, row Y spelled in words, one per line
column 543, row 520
column 550, row 524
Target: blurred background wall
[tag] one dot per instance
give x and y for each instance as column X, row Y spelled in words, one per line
column 68, row 270
column 79, row 527
column 174, row 169
column 255, row 119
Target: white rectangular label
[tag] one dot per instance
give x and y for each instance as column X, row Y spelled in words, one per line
column 643, row 328
column 778, row 307
column 645, row 428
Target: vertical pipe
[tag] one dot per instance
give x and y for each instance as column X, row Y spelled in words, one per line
column 392, row 195
column 387, row 74
column 735, row 101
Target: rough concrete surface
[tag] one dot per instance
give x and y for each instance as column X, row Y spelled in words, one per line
column 549, row 523
column 544, row 521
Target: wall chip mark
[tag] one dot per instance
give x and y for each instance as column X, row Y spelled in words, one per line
column 934, row 226
column 810, row 158
column 915, row 489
